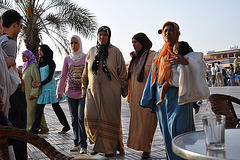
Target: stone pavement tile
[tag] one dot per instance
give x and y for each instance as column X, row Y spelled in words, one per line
column 86, row 157
column 64, row 143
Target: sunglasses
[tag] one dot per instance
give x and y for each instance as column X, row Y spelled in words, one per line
column 74, row 43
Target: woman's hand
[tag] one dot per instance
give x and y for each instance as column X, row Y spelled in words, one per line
column 59, row 96
column 132, row 53
column 31, row 97
column 84, row 97
column 10, row 61
column 36, row 84
column 178, row 59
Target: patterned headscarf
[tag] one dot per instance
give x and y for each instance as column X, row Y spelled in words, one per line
column 140, row 57
column 102, row 51
column 162, row 66
column 30, row 59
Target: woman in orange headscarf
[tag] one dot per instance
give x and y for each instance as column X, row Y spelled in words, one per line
column 173, row 119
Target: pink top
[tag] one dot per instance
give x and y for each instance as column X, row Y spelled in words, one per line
column 73, row 71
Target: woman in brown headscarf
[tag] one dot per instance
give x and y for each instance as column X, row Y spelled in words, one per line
column 143, row 123
column 173, row 119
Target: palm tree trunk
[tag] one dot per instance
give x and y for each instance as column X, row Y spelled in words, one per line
column 32, row 40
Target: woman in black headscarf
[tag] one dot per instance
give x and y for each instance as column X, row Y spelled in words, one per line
column 48, row 84
column 104, row 80
column 143, row 123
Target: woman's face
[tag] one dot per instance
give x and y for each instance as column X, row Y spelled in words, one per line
column 74, row 45
column 102, row 38
column 24, row 58
column 168, row 33
column 136, row 45
column 40, row 52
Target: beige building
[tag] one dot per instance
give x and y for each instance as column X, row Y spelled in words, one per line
column 225, row 57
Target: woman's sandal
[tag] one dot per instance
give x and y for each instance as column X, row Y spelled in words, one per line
column 109, row 155
column 94, row 153
column 146, row 155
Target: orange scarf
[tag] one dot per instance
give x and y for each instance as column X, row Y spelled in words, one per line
column 162, row 66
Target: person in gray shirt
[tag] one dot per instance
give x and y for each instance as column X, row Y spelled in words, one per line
column 9, row 45
column 12, row 22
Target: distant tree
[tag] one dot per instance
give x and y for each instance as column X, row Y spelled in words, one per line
column 53, row 18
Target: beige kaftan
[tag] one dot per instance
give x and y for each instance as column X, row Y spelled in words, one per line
column 103, row 101
column 143, row 122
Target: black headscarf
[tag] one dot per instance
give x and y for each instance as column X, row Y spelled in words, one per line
column 146, row 45
column 47, row 59
column 48, row 55
column 102, row 51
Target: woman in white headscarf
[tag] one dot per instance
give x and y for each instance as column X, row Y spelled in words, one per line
column 72, row 68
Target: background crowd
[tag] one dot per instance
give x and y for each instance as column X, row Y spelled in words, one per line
column 218, row 76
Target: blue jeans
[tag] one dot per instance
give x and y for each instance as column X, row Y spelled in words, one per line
column 76, row 108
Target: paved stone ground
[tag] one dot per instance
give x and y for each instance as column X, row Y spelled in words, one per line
column 64, row 142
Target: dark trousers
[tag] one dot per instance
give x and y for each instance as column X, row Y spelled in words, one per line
column 18, row 117
column 76, row 108
column 213, row 79
column 38, row 116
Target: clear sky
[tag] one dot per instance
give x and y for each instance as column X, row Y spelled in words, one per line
column 206, row 25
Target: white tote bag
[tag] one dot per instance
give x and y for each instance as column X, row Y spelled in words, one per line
column 192, row 83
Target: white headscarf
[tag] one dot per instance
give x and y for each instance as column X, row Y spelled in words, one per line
column 77, row 56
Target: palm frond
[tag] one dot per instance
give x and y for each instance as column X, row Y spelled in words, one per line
column 5, row 5
column 52, row 18
column 60, row 42
column 78, row 18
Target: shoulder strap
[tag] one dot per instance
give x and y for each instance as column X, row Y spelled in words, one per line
column 5, row 55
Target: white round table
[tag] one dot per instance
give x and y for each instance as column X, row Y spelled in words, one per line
column 192, row 146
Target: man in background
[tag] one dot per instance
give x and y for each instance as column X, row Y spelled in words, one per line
column 12, row 22
column 219, row 74
column 213, row 72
